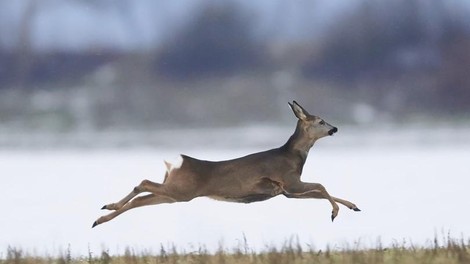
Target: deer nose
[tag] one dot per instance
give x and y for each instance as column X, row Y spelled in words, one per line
column 333, row 130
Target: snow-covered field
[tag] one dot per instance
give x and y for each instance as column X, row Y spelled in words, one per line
column 409, row 185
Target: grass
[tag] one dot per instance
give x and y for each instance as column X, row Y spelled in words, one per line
column 450, row 251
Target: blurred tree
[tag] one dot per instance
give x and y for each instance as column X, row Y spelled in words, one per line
column 452, row 92
column 390, row 53
column 218, row 40
column 368, row 41
column 24, row 56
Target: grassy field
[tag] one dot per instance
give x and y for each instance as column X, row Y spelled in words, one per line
column 448, row 252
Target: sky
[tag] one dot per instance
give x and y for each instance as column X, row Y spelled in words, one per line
column 76, row 25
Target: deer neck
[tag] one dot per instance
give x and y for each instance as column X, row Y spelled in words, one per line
column 299, row 143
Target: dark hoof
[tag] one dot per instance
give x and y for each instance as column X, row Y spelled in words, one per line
column 332, row 218
column 94, row 224
column 357, row 209
column 103, row 208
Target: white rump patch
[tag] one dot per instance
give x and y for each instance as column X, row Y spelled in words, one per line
column 175, row 163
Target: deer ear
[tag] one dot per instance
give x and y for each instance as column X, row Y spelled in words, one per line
column 299, row 112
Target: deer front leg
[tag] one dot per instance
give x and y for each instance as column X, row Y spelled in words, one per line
column 311, row 190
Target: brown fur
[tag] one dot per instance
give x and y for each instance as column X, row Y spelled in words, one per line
column 255, row 177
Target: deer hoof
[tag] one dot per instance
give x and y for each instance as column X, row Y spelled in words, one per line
column 104, row 207
column 356, row 209
column 94, row 224
column 333, row 216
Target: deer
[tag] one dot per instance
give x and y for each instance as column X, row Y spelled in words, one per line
column 252, row 178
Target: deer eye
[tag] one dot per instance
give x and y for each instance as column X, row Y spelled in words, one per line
column 322, row 122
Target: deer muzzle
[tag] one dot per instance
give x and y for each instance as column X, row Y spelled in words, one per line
column 332, row 131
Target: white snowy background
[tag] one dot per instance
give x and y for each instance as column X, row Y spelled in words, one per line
column 406, row 191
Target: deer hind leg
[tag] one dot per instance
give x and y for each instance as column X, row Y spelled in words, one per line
column 149, row 199
column 160, row 193
column 144, row 186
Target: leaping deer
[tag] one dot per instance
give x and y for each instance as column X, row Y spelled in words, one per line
column 256, row 177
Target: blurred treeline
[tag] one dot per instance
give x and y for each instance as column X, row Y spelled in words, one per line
column 376, row 61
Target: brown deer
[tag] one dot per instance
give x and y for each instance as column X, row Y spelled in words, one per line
column 256, row 177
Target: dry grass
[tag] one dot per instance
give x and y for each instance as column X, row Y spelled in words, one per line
column 448, row 252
